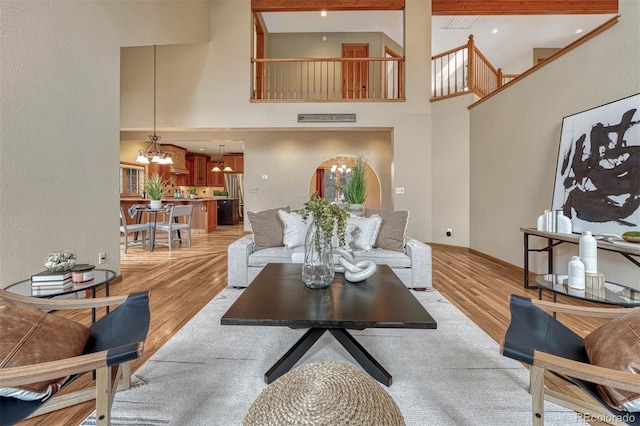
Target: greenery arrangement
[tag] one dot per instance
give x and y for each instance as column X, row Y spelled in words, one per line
column 193, row 191
column 154, row 186
column 217, row 193
column 327, row 215
column 357, row 185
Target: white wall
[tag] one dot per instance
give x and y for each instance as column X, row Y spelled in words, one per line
column 450, row 135
column 218, row 96
column 59, row 145
column 515, row 136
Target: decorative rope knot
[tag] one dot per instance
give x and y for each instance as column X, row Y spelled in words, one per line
column 353, row 271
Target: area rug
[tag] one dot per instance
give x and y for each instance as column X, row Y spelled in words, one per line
column 209, row 374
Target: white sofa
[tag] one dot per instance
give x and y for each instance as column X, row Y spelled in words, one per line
column 412, row 267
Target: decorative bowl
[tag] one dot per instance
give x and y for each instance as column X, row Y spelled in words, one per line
column 631, row 236
column 60, row 261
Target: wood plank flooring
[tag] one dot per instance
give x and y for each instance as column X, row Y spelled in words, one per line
column 182, row 281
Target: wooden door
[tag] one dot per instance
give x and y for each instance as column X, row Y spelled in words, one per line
column 355, row 74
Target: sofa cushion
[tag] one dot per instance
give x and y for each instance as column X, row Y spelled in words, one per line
column 380, row 256
column 362, row 232
column 30, row 336
column 271, row 255
column 295, row 228
column 393, row 229
column 267, row 228
column 616, row 345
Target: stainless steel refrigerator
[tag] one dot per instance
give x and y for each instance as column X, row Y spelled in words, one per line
column 233, row 184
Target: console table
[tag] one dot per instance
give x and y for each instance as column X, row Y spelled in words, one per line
column 626, row 249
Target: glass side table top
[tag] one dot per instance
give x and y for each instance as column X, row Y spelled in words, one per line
column 100, row 277
column 612, row 294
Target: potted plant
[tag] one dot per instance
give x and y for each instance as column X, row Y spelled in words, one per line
column 154, row 186
column 192, row 193
column 317, row 268
column 357, row 187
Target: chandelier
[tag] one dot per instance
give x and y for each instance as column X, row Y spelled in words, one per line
column 219, row 167
column 154, row 151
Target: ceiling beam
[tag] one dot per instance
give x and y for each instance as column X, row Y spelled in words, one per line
column 328, row 5
column 522, row 7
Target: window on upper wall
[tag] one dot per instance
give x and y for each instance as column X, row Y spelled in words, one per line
column 131, row 180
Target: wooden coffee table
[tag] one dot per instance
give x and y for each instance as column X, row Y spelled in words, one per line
column 277, row 297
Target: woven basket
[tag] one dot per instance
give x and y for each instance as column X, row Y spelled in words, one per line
column 324, row 393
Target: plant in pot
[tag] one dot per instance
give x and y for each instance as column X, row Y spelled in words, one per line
column 317, row 268
column 154, row 186
column 192, row 193
column 357, row 187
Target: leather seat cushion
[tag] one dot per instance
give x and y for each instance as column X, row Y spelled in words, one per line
column 30, row 336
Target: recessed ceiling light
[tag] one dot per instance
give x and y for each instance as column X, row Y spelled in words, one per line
column 323, row 13
column 494, row 31
column 579, row 30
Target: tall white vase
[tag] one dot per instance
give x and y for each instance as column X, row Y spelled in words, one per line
column 588, row 247
column 576, row 273
column 563, row 223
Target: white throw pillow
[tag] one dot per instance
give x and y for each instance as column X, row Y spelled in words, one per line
column 362, row 232
column 295, row 229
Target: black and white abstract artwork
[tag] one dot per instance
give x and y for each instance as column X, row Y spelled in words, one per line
column 597, row 181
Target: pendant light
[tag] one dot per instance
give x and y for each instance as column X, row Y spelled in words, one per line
column 220, row 163
column 154, row 151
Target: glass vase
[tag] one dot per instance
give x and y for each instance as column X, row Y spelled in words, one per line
column 317, row 268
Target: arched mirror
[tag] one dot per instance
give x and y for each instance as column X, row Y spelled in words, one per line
column 331, row 180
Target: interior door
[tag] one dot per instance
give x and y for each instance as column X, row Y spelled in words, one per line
column 355, row 74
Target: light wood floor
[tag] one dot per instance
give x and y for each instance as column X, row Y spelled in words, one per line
column 181, row 282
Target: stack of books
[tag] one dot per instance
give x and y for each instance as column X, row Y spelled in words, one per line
column 48, row 282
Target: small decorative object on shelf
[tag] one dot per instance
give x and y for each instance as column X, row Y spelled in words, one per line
column 61, row 261
column 576, row 273
column 631, row 236
column 554, row 221
column 594, row 281
column 588, row 248
column 82, row 273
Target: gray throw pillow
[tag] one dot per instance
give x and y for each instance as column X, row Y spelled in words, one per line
column 267, row 228
column 393, row 228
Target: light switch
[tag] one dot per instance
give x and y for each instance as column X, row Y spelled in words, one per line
column 265, row 177
column 400, row 190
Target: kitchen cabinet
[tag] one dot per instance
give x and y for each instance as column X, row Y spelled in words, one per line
column 212, row 214
column 235, row 161
column 214, row 178
column 199, row 174
column 228, row 211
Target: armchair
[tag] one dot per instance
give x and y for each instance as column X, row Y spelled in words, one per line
column 114, row 340
column 538, row 339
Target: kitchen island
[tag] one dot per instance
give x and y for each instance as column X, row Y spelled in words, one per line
column 204, row 218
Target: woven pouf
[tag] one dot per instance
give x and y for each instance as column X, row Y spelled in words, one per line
column 324, row 393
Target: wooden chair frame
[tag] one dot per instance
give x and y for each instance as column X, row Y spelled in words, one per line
column 112, row 367
column 568, row 368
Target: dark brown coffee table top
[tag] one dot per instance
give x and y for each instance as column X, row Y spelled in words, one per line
column 278, row 297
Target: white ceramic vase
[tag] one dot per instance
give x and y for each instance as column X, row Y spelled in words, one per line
column 588, row 248
column 155, row 204
column 576, row 273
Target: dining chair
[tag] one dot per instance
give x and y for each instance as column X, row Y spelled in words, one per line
column 179, row 220
column 134, row 228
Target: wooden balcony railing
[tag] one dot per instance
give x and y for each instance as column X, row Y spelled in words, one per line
column 328, row 79
column 458, row 71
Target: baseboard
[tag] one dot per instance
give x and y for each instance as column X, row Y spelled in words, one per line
column 450, row 247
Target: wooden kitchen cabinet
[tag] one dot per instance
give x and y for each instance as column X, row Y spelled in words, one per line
column 214, row 178
column 235, row 161
column 199, row 174
column 212, row 214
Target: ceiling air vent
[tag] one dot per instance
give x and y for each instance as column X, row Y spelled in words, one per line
column 459, row 22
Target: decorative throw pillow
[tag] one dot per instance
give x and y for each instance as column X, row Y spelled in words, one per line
column 267, row 228
column 295, row 228
column 393, row 230
column 616, row 345
column 30, row 336
column 362, row 232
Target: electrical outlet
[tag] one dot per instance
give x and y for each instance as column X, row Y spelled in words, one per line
column 449, row 232
column 102, row 257
column 265, row 177
column 400, row 190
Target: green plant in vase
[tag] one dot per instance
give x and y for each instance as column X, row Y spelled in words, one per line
column 318, row 269
column 357, row 186
column 154, row 186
